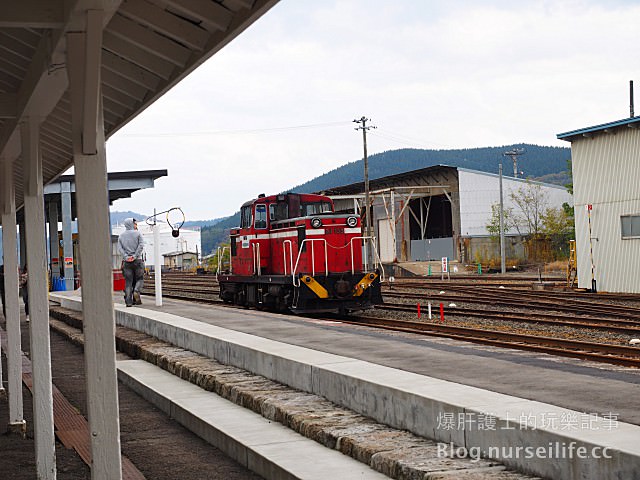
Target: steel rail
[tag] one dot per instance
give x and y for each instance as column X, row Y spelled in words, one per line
column 614, row 354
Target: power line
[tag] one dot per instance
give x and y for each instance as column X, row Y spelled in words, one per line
column 235, row 132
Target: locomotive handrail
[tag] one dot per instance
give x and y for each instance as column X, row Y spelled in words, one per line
column 376, row 261
column 257, row 270
column 284, row 255
column 220, row 252
column 313, row 260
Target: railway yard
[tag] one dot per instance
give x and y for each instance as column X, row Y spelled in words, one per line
column 519, row 342
column 516, row 311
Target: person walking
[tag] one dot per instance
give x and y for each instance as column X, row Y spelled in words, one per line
column 4, row 310
column 131, row 247
column 24, row 286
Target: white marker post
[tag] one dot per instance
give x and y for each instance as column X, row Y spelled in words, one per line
column 445, row 268
column 157, row 268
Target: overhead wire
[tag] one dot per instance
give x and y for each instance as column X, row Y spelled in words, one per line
column 236, row 132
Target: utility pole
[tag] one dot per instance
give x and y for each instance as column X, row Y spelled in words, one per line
column 368, row 233
column 514, row 153
column 503, row 267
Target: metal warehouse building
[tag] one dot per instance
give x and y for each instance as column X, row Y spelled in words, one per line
column 606, row 162
column 439, row 211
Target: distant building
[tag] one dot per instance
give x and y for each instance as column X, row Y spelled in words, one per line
column 606, row 185
column 440, row 211
column 188, row 241
column 180, row 260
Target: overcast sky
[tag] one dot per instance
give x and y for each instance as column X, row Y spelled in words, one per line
column 273, row 109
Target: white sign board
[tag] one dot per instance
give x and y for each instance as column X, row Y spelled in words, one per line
column 445, row 264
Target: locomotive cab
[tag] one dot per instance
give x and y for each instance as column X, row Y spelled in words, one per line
column 292, row 251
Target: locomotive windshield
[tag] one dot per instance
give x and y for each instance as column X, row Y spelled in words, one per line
column 315, row 208
column 261, row 216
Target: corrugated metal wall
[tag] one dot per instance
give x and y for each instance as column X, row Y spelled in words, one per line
column 606, row 174
column 478, row 191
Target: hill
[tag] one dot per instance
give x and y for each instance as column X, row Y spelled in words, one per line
column 536, row 162
column 119, row 217
column 547, row 164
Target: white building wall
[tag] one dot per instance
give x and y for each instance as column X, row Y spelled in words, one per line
column 606, row 174
column 189, row 240
column 478, row 191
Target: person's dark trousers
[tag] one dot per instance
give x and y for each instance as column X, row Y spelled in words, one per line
column 4, row 309
column 25, row 299
column 133, row 273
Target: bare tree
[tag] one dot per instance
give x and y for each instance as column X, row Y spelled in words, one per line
column 531, row 204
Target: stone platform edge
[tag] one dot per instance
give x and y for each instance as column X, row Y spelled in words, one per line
column 406, row 400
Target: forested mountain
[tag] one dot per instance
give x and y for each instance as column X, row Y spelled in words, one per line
column 548, row 164
column 119, row 217
column 535, row 162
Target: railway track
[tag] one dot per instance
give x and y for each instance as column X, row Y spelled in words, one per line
column 625, row 322
column 614, row 354
column 620, row 326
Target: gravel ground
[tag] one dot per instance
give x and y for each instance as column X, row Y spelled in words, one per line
column 559, row 331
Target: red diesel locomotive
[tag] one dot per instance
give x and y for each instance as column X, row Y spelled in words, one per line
column 292, row 251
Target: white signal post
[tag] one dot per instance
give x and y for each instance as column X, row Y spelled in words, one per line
column 445, row 268
column 589, row 207
column 157, row 268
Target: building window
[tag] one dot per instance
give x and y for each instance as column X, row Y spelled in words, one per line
column 630, row 226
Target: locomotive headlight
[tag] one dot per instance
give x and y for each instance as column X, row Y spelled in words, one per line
column 352, row 221
column 316, row 222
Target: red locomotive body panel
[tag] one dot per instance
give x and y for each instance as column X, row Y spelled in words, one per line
column 283, row 238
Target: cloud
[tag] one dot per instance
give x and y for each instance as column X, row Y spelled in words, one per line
column 438, row 74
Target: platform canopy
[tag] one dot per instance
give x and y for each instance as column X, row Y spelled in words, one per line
column 148, row 46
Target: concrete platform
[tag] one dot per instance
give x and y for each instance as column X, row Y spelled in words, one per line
column 264, row 447
column 399, row 398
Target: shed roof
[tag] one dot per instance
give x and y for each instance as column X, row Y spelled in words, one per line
column 177, row 254
column 632, row 122
column 393, row 180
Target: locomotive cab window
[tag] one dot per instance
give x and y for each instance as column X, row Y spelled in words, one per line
column 315, row 208
column 245, row 217
column 278, row 211
column 261, row 216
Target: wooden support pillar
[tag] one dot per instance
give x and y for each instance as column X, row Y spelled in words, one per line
column 67, row 235
column 11, row 295
column 92, row 200
column 38, row 300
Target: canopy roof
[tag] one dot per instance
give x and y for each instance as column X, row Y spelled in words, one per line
column 148, row 47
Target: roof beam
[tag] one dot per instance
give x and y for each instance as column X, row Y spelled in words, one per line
column 238, row 4
column 8, row 105
column 129, row 70
column 137, row 55
column 209, row 12
column 149, row 40
column 41, row 89
column 33, row 14
column 166, row 23
column 127, row 87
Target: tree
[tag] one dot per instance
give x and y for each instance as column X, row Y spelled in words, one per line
column 226, row 258
column 531, row 203
column 493, row 227
column 569, row 186
column 555, row 221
